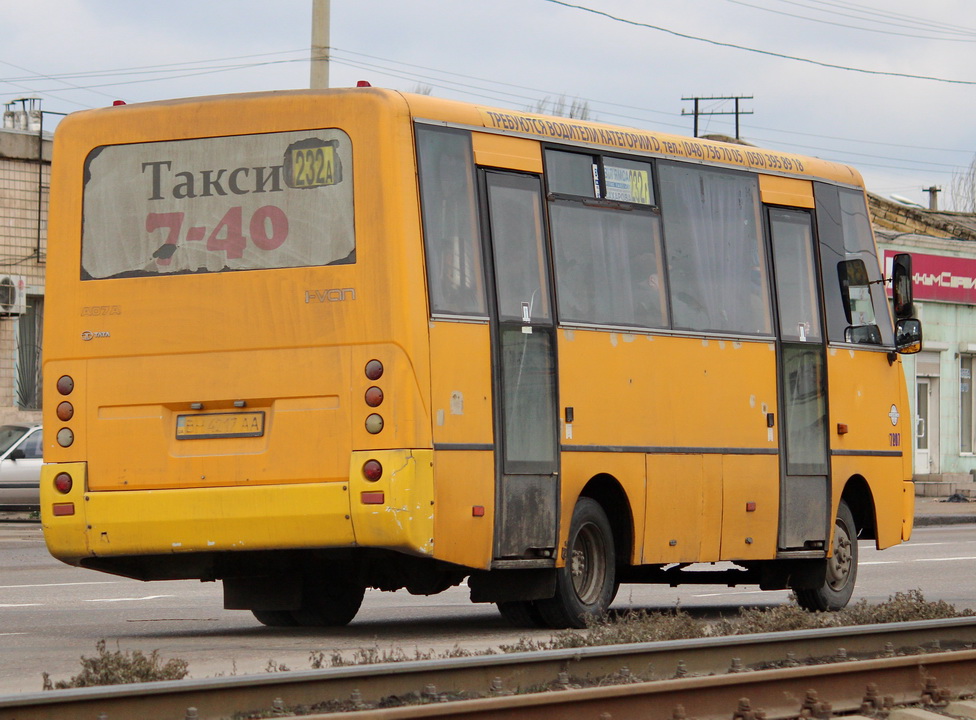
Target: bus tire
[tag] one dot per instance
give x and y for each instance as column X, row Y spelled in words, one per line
column 521, row 613
column 275, row 618
column 841, row 568
column 585, row 585
column 329, row 605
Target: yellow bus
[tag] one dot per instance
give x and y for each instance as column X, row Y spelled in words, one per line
column 308, row 343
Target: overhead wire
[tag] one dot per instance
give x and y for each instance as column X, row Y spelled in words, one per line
column 768, row 53
column 970, row 39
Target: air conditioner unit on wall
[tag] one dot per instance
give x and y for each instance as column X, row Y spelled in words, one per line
column 13, row 295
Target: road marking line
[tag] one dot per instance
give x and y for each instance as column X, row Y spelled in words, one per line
column 740, row 592
column 91, row 582
column 10, row 605
column 147, row 597
column 949, row 559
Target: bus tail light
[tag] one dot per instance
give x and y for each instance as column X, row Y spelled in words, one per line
column 374, row 370
column 63, row 483
column 372, row 470
column 373, row 498
column 374, row 396
column 62, row 509
column 66, row 437
column 66, row 384
column 65, row 411
column 374, row 424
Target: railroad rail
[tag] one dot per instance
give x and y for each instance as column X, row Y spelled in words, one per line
column 907, row 662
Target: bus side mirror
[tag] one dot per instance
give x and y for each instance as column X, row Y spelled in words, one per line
column 908, row 336
column 901, row 285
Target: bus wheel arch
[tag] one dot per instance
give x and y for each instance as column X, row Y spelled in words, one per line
column 857, row 494
column 607, row 491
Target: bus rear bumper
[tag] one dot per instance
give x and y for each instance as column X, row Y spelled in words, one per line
column 83, row 524
column 395, row 512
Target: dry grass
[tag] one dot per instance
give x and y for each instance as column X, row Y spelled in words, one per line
column 120, row 668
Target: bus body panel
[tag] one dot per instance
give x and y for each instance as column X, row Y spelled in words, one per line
column 684, row 519
column 464, row 507
column 869, row 402
column 648, row 398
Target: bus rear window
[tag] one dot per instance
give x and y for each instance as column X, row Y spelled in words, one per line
column 247, row 202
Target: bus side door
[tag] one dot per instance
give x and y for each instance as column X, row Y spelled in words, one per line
column 804, row 470
column 524, row 369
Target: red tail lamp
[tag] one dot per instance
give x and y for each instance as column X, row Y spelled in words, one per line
column 65, row 411
column 372, row 470
column 63, row 483
column 374, row 370
column 65, row 384
column 374, row 396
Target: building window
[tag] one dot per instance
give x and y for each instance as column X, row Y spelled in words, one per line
column 966, row 403
column 27, row 376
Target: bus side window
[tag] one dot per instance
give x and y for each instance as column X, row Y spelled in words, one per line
column 455, row 278
column 857, row 310
column 715, row 252
column 855, row 290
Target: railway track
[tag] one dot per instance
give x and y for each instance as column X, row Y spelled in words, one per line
column 915, row 662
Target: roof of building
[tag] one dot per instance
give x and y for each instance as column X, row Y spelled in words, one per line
column 889, row 215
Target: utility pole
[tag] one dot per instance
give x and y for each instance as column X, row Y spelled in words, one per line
column 319, row 79
column 737, row 112
column 933, row 196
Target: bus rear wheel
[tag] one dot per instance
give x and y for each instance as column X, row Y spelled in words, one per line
column 521, row 613
column 838, row 587
column 275, row 618
column 329, row 604
column 585, row 586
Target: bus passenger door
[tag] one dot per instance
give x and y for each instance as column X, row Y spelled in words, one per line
column 804, row 469
column 524, row 371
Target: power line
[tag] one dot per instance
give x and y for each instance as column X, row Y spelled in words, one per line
column 757, row 51
column 970, row 39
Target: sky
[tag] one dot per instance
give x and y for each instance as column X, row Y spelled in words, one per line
column 888, row 86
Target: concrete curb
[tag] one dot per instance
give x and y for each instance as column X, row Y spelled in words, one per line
column 934, row 520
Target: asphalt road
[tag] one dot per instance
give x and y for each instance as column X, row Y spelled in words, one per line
column 52, row 614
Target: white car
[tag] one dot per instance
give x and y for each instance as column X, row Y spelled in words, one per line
column 21, row 456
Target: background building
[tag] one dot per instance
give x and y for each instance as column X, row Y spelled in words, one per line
column 943, row 249
column 25, row 160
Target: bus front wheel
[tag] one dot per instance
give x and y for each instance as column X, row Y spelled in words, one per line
column 838, row 587
column 586, row 584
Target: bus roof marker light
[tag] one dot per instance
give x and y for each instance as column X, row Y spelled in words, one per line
column 374, row 370
column 66, row 384
column 374, row 424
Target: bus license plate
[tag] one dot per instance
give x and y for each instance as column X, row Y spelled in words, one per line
column 219, row 425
